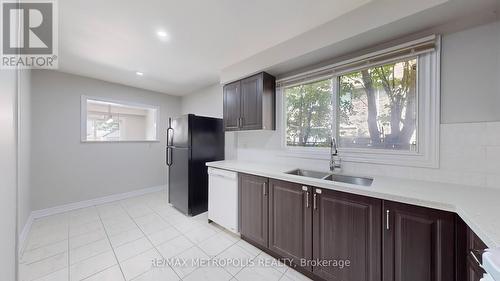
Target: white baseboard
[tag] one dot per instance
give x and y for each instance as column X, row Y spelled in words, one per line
column 23, row 236
column 78, row 205
column 92, row 202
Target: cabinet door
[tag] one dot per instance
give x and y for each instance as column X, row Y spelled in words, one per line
column 474, row 272
column 346, row 227
column 232, row 106
column 254, row 209
column 418, row 243
column 474, row 246
column 251, row 102
column 290, row 221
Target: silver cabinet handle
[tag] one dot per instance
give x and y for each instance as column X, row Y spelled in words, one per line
column 264, row 192
column 476, row 259
column 316, row 191
column 387, row 214
column 306, row 189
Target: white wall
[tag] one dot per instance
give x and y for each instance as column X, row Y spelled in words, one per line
column 470, row 72
column 8, row 173
column 133, row 127
column 470, row 153
column 205, row 102
column 64, row 170
column 208, row 102
column 469, row 148
column 357, row 23
column 24, row 142
column 151, row 132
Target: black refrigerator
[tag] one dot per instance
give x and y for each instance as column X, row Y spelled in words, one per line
column 191, row 142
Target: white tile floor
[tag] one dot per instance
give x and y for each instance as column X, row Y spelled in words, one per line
column 120, row 240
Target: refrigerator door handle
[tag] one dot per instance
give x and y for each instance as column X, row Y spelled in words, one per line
column 170, row 136
column 169, row 156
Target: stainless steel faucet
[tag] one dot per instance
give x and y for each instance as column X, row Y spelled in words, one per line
column 334, row 158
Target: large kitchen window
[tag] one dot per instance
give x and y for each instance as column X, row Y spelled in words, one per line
column 113, row 121
column 380, row 109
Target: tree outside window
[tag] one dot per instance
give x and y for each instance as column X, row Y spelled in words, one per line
column 309, row 114
column 376, row 108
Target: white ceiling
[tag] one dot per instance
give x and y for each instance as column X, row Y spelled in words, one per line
column 112, row 39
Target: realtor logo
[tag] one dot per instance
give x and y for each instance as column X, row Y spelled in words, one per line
column 29, row 34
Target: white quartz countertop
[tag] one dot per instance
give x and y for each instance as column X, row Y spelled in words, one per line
column 479, row 207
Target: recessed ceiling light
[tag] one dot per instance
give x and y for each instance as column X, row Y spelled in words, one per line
column 138, row 73
column 163, row 35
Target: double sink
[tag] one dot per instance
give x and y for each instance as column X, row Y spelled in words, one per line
column 332, row 177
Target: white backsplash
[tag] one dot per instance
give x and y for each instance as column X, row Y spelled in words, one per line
column 469, row 155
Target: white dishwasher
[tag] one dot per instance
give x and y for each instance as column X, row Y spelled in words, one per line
column 223, row 198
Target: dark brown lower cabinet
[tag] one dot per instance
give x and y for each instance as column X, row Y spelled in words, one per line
column 418, row 243
column 474, row 248
column 332, row 235
column 347, row 228
column 474, row 272
column 290, row 226
column 253, row 199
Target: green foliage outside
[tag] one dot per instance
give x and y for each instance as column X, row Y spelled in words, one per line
column 398, row 82
column 309, row 107
column 309, row 114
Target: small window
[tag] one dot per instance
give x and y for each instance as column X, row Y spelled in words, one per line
column 378, row 107
column 110, row 121
column 309, row 114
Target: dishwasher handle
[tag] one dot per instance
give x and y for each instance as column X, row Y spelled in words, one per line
column 220, row 176
column 219, row 173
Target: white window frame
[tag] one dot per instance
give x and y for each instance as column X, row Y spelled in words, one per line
column 428, row 124
column 83, row 118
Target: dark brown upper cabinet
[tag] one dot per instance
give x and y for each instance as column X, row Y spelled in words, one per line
column 232, row 108
column 290, row 221
column 347, row 227
column 419, row 243
column 254, row 212
column 249, row 104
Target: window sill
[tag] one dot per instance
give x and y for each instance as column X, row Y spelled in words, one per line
column 122, row 141
column 377, row 157
column 318, row 154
